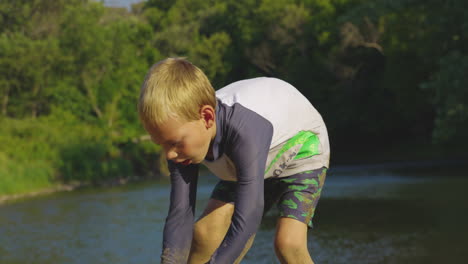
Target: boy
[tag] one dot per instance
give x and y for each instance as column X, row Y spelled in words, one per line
column 261, row 137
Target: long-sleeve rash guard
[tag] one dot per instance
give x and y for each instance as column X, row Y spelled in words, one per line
column 265, row 128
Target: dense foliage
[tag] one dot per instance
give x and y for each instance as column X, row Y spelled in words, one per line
column 382, row 73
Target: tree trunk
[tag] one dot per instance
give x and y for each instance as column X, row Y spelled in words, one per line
column 87, row 83
column 34, row 110
column 35, row 103
column 5, row 100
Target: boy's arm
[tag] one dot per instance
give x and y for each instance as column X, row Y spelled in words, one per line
column 248, row 149
column 177, row 236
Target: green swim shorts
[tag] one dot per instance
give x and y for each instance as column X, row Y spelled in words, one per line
column 296, row 196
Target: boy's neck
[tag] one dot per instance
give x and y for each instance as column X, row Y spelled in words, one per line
column 210, row 155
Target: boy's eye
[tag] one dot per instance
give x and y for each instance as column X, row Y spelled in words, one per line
column 174, row 143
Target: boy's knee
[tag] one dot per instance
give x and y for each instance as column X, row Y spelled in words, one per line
column 200, row 234
column 286, row 245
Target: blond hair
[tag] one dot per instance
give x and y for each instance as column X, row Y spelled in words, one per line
column 174, row 88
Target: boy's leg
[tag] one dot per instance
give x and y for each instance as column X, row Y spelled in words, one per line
column 297, row 207
column 211, row 228
column 291, row 241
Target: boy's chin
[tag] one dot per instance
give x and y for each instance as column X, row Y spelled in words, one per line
column 195, row 161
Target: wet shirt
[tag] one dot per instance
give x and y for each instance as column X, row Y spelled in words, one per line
column 264, row 128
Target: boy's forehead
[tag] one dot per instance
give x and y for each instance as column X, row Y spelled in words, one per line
column 166, row 131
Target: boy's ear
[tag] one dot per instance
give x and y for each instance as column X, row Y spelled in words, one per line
column 207, row 113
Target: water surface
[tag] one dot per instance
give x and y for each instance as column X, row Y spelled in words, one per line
column 364, row 216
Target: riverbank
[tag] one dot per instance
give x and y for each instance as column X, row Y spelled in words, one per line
column 46, row 161
column 68, row 187
column 58, row 188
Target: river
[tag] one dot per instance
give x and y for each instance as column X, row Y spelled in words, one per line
column 367, row 215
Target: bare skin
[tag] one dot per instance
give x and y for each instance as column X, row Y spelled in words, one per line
column 210, row 230
column 185, row 141
column 291, row 242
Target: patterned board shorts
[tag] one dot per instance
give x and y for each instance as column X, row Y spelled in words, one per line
column 296, row 196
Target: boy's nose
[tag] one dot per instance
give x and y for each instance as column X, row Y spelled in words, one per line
column 170, row 155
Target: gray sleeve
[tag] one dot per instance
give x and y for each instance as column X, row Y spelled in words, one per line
column 248, row 142
column 177, row 237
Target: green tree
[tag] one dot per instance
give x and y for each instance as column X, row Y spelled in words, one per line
column 450, row 98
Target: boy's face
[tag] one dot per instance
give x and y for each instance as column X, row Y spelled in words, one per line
column 186, row 142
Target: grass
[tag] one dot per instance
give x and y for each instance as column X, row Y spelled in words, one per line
column 23, row 177
column 39, row 153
